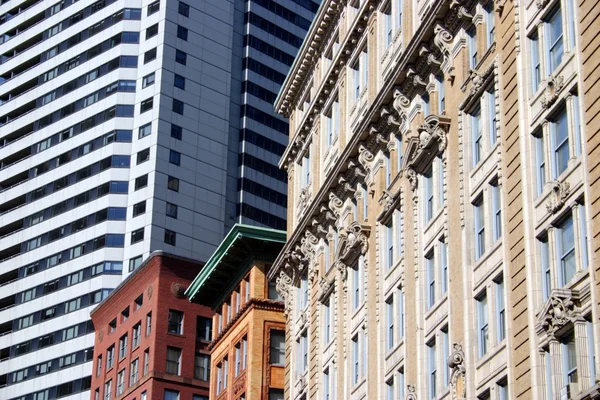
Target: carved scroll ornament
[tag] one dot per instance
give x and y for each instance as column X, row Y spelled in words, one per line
column 456, row 362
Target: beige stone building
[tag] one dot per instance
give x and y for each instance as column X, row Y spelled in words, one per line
column 443, row 229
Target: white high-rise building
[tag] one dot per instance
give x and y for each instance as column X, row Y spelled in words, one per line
column 126, row 126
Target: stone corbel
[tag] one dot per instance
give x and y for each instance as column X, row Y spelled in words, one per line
column 356, row 169
column 388, row 200
column 464, row 14
column 456, row 362
column 413, row 76
column 430, row 58
column 541, row 3
column 554, row 86
column 365, row 158
column 325, row 289
column 401, row 105
column 283, row 285
column 443, row 41
column 335, row 205
column 560, row 192
column 500, row 6
column 429, row 142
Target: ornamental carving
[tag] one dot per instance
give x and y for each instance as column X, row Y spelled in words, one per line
column 149, row 291
column 541, row 3
column 301, row 384
column 401, row 104
column 559, row 310
column 178, row 290
column 365, row 158
column 325, row 288
column 560, row 192
column 283, row 285
column 343, row 270
column 100, row 336
column 335, row 205
column 429, row 142
column 239, row 385
column 412, row 392
column 500, row 4
column 443, row 41
column 308, row 246
column 411, row 175
column 553, row 88
column 389, row 201
column 456, row 362
column 303, row 199
column 476, row 82
column 353, row 242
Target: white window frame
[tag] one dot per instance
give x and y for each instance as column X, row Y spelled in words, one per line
column 483, row 342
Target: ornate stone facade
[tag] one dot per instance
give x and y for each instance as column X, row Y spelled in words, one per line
column 440, row 248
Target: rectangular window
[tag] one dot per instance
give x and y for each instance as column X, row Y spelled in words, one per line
column 152, row 31
column 146, row 105
column 430, row 264
column 398, row 226
column 540, row 161
column 491, row 106
column 174, row 157
column 146, row 361
column 356, row 287
column 133, row 371
column 202, row 367
column 473, row 47
column 173, row 360
column 137, row 235
column 145, row 130
column 490, row 22
column 479, row 228
column 152, row 8
column 149, row 55
column 365, row 202
column 387, row 27
column 179, row 82
column 565, row 241
column 173, row 184
column 569, row 361
column 277, row 348
column 148, row 80
column 389, row 309
column 389, row 388
column 180, row 57
column 545, row 267
column 559, row 130
column 432, row 369
column 326, row 384
column 182, row 33
column 110, row 357
column 583, row 236
column 400, row 301
column 428, row 186
column 389, row 239
column 171, row 394
column 107, row 391
column 355, row 358
column 444, row 267
column 203, row 328
column 554, row 33
column 446, row 348
column 536, row 71
column 482, row 325
column 477, row 134
column 500, row 311
column 178, row 107
column 148, row 323
column 137, row 332
column 184, row 9
column 496, row 212
column 326, row 322
column 176, row 132
column 175, row 322
column 306, row 169
column 123, row 346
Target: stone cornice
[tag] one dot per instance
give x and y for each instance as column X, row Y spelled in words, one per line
column 437, row 12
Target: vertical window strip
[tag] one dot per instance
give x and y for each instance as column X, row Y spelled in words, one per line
column 483, row 325
column 583, row 236
column 536, row 67
column 430, row 262
column 545, row 264
column 500, row 311
column 444, row 267
column 540, row 160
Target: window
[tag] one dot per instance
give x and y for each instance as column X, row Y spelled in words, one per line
column 428, row 187
column 173, row 184
column 202, row 367
column 178, row 106
column 180, row 57
column 171, row 210
column 333, row 122
column 145, row 130
column 173, row 360
column 569, row 361
column 143, row 156
column 358, row 284
column 326, row 384
column 306, row 169
column 389, row 310
column 479, row 228
column 182, row 33
column 148, row 80
column 184, row 9
column 355, row 359
column 179, row 82
column 559, row 131
column 554, row 33
column 139, row 301
column 490, row 23
column 496, row 212
column 203, row 328
column 137, row 235
column 148, row 323
column 146, row 361
column 152, row 8
column 110, row 357
column 432, row 369
column 171, row 394
column 500, row 310
column 152, row 31
column 134, row 263
column 107, row 390
column 430, row 264
column 477, row 135
column 99, row 365
column 444, row 267
column 175, row 322
column 170, row 237
column 540, row 162
column 302, row 346
column 174, row 157
column 176, row 132
column 277, row 347
column 149, row 55
column 400, row 301
column 389, row 240
column 139, row 208
column 327, row 312
column 426, row 104
column 136, row 334
column 473, row 47
column 490, row 97
column 565, row 241
column 146, row 105
column 123, row 346
column 389, row 388
column 121, row 382
column 133, row 371
column 536, row 71
column 482, row 325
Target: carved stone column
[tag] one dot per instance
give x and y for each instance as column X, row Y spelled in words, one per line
column 557, row 376
column 581, row 347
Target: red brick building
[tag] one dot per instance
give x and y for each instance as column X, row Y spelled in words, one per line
column 151, row 342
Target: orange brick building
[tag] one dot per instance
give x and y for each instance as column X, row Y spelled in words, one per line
column 248, row 343
column 151, row 342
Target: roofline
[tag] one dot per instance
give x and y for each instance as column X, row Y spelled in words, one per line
column 154, row 254
column 292, row 71
column 237, row 231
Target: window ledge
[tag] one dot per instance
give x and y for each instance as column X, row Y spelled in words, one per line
column 436, row 306
column 487, row 254
column 492, row 352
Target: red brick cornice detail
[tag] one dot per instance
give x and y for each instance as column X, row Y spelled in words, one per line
column 259, row 304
